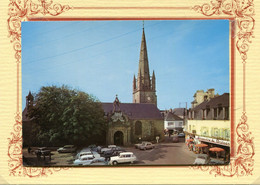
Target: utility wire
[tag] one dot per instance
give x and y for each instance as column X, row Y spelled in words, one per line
column 64, row 37
column 78, row 49
column 48, row 31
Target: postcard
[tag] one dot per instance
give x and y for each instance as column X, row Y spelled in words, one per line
column 129, row 92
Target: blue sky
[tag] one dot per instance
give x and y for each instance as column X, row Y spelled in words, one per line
column 101, row 57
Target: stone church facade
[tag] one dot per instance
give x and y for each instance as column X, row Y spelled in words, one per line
column 141, row 120
column 129, row 123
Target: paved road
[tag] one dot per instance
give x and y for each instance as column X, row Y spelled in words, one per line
column 166, row 153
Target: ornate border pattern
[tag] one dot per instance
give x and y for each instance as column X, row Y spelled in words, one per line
column 243, row 11
column 20, row 11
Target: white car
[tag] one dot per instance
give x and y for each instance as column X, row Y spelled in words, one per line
column 86, row 152
column 124, row 157
column 202, row 159
column 79, row 155
column 67, row 149
column 146, row 145
column 139, row 144
column 84, row 160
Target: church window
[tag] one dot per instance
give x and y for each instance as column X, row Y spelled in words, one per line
column 138, row 128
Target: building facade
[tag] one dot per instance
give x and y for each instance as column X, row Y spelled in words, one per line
column 200, row 96
column 129, row 123
column 144, row 87
column 172, row 122
column 209, row 122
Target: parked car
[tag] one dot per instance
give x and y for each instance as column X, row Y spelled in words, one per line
column 99, row 162
column 109, row 147
column 84, row 160
column 181, row 134
column 216, row 161
column 93, row 147
column 124, row 157
column 42, row 151
column 67, row 149
column 87, row 151
column 79, row 155
column 111, row 153
column 146, row 145
column 202, row 159
column 139, row 144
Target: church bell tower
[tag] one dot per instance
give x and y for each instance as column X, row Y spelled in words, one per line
column 144, row 86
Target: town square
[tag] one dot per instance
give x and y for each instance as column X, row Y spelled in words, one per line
column 119, row 106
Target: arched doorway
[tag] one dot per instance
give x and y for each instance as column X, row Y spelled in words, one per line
column 119, row 138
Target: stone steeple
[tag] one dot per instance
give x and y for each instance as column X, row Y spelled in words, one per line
column 143, row 64
column 144, row 86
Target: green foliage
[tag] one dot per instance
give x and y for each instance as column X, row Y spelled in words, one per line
column 67, row 116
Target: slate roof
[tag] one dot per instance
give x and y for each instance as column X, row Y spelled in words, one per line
column 222, row 100
column 136, row 110
column 172, row 117
column 179, row 111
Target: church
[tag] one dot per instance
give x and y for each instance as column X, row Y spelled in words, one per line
column 129, row 123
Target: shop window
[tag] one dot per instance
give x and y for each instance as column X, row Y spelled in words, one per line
column 204, row 131
column 170, row 123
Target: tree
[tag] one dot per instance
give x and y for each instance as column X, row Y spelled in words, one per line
column 67, row 116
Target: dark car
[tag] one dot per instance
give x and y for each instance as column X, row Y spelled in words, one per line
column 42, row 151
column 113, row 152
column 93, row 148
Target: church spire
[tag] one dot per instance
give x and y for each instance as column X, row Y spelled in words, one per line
column 144, row 85
column 143, row 63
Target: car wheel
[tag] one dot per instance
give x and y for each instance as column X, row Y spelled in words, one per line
column 132, row 162
column 115, row 162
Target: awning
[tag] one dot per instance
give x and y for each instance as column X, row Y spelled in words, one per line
column 204, row 140
column 201, row 145
column 216, row 149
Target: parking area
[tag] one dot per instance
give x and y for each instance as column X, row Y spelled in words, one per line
column 166, row 153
